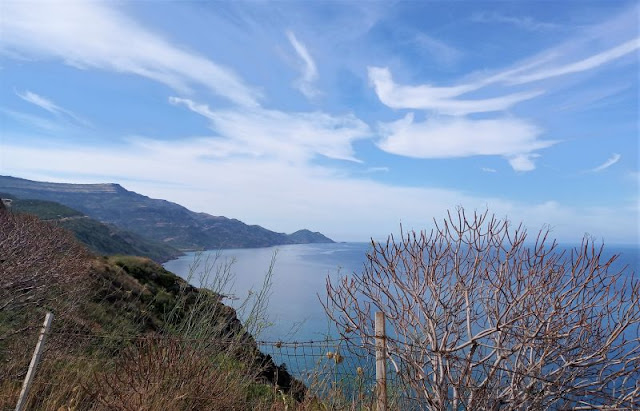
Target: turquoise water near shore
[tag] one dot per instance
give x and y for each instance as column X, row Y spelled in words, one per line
column 299, row 280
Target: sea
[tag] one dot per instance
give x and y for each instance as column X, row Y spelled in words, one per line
column 299, row 273
column 297, row 283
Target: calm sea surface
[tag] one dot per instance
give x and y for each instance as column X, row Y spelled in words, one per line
column 299, row 278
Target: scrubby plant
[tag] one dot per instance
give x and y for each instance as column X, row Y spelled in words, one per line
column 479, row 316
column 38, row 262
column 171, row 374
column 123, row 322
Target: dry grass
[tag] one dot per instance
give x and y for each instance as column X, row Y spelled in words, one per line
column 127, row 335
column 40, row 263
column 168, row 374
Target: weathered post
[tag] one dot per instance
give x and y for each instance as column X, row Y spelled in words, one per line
column 381, row 368
column 28, row 379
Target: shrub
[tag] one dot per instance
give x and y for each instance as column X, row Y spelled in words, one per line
column 38, row 261
column 478, row 319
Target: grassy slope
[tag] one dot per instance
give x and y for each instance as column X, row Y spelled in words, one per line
column 110, row 240
column 100, row 238
column 45, row 210
column 114, row 325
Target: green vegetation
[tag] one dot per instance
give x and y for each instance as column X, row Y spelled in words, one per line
column 45, row 210
column 109, row 240
column 127, row 334
column 158, row 220
column 103, row 239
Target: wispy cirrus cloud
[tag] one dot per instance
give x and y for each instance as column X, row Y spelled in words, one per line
column 516, row 140
column 610, row 161
column 523, row 22
column 48, row 105
column 449, row 100
column 457, row 136
column 295, row 137
column 377, row 170
column 308, row 68
column 92, row 34
column 41, row 102
column 588, row 63
column 441, row 99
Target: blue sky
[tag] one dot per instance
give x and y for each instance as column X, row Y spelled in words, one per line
column 342, row 117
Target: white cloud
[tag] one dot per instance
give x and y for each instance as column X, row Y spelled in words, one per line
column 48, row 105
column 489, row 170
column 525, row 22
column 447, row 99
column 440, row 99
column 523, row 162
column 377, row 169
column 293, row 196
column 514, row 139
column 610, row 161
column 460, row 137
column 568, row 58
column 309, row 70
column 293, row 137
column 41, row 102
column 260, row 156
column 91, row 34
column 589, row 63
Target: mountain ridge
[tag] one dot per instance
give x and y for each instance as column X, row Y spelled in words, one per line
column 101, row 238
column 156, row 219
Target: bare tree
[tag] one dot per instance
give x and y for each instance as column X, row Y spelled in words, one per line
column 479, row 318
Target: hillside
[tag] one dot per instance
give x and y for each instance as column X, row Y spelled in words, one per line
column 104, row 239
column 127, row 334
column 159, row 220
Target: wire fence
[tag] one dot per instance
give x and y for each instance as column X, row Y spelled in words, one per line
column 75, row 361
column 339, row 372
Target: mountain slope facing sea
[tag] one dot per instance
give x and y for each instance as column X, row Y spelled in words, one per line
column 158, row 220
column 103, row 239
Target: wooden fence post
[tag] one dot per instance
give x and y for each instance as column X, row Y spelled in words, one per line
column 28, row 379
column 381, row 368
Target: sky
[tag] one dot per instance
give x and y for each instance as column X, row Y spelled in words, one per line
column 345, row 117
